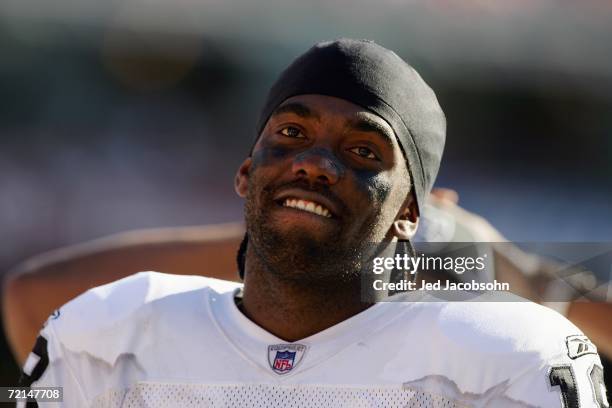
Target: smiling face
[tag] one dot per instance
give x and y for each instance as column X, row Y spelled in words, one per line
column 326, row 178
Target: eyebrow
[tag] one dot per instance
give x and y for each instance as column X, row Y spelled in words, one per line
column 365, row 123
column 297, row 109
column 362, row 123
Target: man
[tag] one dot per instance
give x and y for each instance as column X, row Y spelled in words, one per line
column 350, row 141
column 56, row 277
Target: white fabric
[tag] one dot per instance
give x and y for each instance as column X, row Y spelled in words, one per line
column 153, row 340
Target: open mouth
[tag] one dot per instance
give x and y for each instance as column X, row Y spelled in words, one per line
column 307, row 205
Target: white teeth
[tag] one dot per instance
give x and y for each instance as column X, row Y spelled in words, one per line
column 318, row 210
column 308, row 206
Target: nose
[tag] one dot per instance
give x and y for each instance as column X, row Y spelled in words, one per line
column 317, row 165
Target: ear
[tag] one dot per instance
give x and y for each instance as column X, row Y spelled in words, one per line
column 405, row 227
column 241, row 181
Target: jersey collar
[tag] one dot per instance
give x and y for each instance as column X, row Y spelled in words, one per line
column 252, row 342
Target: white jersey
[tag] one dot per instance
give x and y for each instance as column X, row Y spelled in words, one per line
column 158, row 340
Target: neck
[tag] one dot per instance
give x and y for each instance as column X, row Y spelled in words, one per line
column 294, row 310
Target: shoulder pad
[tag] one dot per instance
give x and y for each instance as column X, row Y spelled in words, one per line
column 104, row 321
column 506, row 327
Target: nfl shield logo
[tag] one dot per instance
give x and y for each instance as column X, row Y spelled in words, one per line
column 284, row 357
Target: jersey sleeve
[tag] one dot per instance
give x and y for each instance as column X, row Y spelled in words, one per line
column 49, row 366
column 518, row 354
column 572, row 379
column 98, row 344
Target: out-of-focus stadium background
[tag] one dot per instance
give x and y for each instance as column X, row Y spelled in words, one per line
column 128, row 114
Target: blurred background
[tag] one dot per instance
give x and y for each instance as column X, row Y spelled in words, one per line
column 117, row 115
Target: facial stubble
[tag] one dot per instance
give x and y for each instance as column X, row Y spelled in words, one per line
column 297, row 256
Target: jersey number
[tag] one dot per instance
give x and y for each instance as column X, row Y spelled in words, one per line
column 563, row 377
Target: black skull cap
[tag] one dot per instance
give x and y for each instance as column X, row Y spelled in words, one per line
column 377, row 79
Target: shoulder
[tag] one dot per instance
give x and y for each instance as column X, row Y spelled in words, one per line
column 144, row 288
column 503, row 324
column 519, row 349
column 492, row 328
column 543, row 355
column 114, row 313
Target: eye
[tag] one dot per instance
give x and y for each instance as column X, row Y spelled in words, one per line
column 291, row 131
column 364, row 152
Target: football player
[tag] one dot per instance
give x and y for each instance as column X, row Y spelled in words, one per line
column 56, row 277
column 349, row 144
